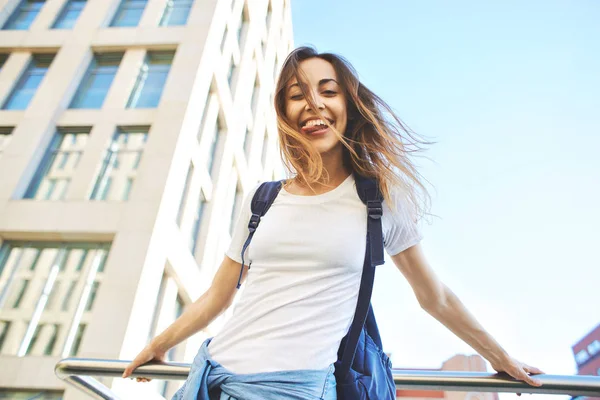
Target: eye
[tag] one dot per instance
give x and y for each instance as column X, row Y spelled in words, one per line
column 330, row 92
column 296, row 97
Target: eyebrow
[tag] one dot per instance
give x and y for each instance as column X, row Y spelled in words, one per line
column 321, row 82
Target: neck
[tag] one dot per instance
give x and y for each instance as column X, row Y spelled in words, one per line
column 336, row 170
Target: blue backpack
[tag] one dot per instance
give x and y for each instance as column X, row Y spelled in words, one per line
column 362, row 371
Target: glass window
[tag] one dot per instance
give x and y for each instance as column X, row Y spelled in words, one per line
column 594, row 347
column 255, row 95
column 230, row 70
column 197, row 222
column 151, row 80
column 582, row 357
column 27, row 85
column 119, row 167
column 235, row 210
column 43, row 340
column 129, row 13
column 58, row 165
column 3, row 58
column 92, row 296
column 4, row 327
column 78, row 338
column 24, row 14
column 242, row 27
column 247, row 143
column 29, row 394
column 176, row 312
column 268, row 19
column 5, row 136
column 16, row 293
column 97, row 81
column 42, row 283
column 265, row 149
column 224, row 38
column 69, row 14
column 176, row 12
column 184, row 195
column 213, row 146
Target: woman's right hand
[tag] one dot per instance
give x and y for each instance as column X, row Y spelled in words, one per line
column 149, row 353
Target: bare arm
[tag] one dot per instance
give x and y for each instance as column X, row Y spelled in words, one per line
column 441, row 303
column 197, row 315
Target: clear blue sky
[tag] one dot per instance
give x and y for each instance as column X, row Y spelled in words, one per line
column 510, row 91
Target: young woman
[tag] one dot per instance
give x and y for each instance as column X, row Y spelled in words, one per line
column 307, row 255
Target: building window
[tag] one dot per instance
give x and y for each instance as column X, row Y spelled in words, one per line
column 5, row 136
column 34, row 279
column 119, row 167
column 129, row 13
column 195, row 231
column 184, row 194
column 4, row 327
column 43, row 341
column 168, row 307
column 58, row 165
column 594, row 347
column 247, row 144
column 224, row 38
column 230, row 71
column 24, row 14
column 3, row 58
column 268, row 20
column 176, row 12
column 265, row 149
column 27, row 85
column 30, row 394
column 237, row 205
column 69, row 14
column 77, row 342
column 242, row 27
column 97, row 81
column 582, row 357
column 213, row 146
column 151, row 80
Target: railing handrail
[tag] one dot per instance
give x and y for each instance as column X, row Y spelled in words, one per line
column 77, row 371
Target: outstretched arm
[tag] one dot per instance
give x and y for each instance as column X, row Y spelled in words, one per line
column 196, row 317
column 441, row 303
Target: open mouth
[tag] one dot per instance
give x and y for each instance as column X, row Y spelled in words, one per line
column 315, row 126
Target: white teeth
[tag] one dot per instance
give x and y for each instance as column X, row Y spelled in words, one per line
column 314, row 122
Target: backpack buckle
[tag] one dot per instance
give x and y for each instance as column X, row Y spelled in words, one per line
column 374, row 209
column 253, row 223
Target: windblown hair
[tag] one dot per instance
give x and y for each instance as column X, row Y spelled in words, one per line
column 377, row 144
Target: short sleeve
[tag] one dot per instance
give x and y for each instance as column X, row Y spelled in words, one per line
column 240, row 230
column 400, row 226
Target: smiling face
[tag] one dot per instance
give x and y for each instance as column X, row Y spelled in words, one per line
column 322, row 85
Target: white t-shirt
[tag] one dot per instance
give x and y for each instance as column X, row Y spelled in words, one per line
column 301, row 291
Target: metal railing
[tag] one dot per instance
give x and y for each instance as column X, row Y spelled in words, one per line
column 78, row 372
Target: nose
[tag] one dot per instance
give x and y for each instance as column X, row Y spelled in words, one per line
column 318, row 101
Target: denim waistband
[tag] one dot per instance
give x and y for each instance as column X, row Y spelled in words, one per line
column 209, row 380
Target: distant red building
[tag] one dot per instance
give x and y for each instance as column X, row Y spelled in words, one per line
column 587, row 356
column 587, row 353
column 473, row 363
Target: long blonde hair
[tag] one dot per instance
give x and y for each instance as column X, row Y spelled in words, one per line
column 377, row 144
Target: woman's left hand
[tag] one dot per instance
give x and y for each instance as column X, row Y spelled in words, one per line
column 518, row 370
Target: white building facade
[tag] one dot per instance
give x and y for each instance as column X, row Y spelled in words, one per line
column 130, row 131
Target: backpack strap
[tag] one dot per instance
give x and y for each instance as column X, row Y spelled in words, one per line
column 369, row 193
column 261, row 202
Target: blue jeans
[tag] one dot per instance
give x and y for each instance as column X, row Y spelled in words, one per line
column 209, row 380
